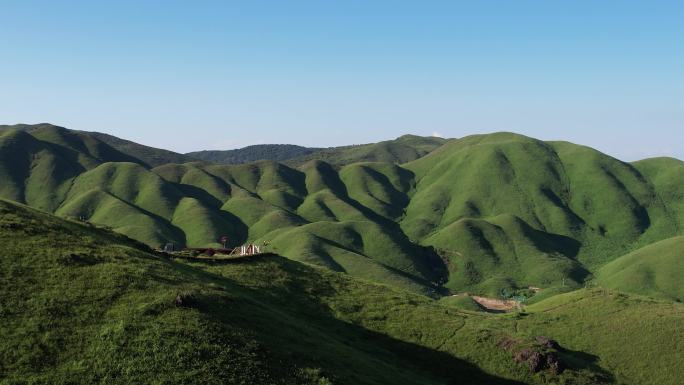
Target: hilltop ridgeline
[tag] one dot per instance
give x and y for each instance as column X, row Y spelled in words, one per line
column 401, row 150
column 481, row 214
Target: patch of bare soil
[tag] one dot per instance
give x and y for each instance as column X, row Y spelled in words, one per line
column 496, row 305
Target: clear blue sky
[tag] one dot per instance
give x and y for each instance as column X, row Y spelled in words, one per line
column 190, row 75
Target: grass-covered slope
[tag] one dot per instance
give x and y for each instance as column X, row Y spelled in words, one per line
column 310, row 215
column 84, row 146
column 38, row 169
column 667, row 177
column 481, row 214
column 103, row 147
column 196, row 204
column 85, row 306
column 150, row 156
column 655, row 270
column 82, row 305
column 513, row 210
column 32, row 172
column 361, row 249
column 139, row 203
column 38, row 163
column 636, row 340
column 401, row 150
column 504, row 252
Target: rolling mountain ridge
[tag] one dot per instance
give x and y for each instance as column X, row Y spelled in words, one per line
column 366, row 270
column 480, row 214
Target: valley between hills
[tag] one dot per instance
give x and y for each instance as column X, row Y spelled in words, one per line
column 370, row 249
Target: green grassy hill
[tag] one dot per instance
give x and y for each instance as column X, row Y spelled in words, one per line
column 403, row 149
column 400, row 150
column 37, row 168
column 85, row 305
column 667, row 177
column 277, row 152
column 655, row 270
column 150, row 156
column 517, row 211
column 481, row 214
column 103, row 147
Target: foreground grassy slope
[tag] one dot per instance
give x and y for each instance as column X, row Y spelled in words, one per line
column 90, row 307
column 83, row 306
column 636, row 339
column 87, row 306
column 93, row 307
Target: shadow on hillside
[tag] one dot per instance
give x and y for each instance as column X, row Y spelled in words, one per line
column 238, row 228
column 201, row 195
column 291, row 321
column 578, row 360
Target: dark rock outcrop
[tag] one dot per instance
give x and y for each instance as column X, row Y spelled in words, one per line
column 538, row 355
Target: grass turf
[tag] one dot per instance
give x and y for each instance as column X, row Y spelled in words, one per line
column 501, row 211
